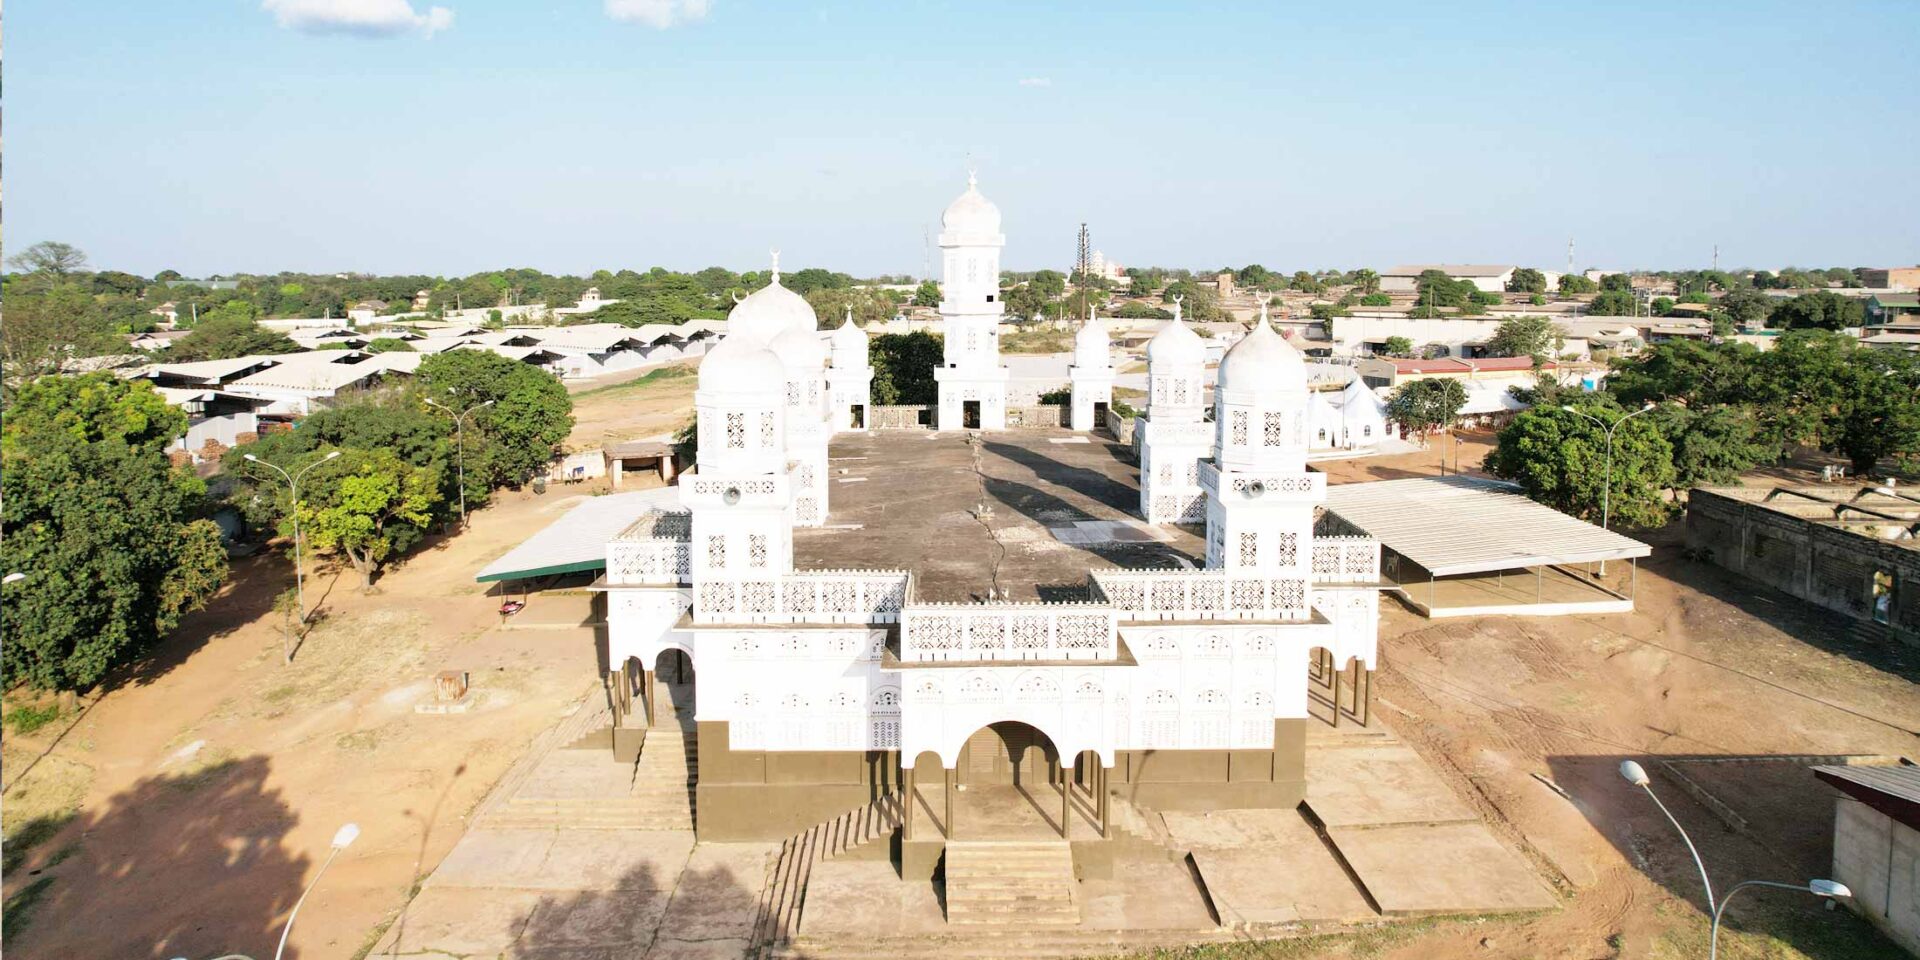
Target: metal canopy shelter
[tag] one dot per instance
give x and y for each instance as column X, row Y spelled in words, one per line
column 1462, row 525
column 577, row 542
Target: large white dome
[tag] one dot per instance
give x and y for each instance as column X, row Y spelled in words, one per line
column 1262, row 363
column 971, row 214
column 1176, row 345
column 769, row 312
column 800, row 351
column 739, row 365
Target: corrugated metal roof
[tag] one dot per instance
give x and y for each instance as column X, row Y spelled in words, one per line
column 1454, row 525
column 1901, row 782
column 578, row 540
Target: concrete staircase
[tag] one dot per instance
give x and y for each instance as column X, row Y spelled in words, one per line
column 785, row 894
column 1014, row 884
column 589, row 789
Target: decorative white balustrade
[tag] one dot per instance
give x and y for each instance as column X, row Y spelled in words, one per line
column 1346, row 560
column 1202, row 595
column 1007, row 631
column 816, row 596
column 652, row 551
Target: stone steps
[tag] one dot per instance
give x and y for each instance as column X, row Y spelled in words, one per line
column 985, row 943
column 783, row 899
column 589, row 789
column 1009, row 884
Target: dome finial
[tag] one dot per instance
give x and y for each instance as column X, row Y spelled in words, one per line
column 849, row 314
column 1176, row 306
column 1263, row 311
column 973, row 173
column 775, row 252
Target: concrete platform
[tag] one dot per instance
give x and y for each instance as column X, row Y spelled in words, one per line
column 1268, row 867
column 1416, row 869
column 1545, row 591
column 1144, row 894
column 1370, row 785
column 847, row 898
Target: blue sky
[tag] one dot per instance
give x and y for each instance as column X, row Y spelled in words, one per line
column 386, row 136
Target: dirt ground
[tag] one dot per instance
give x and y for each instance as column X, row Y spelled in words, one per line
column 631, row 405
column 1709, row 665
column 181, row 811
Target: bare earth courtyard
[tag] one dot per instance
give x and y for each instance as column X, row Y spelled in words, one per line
column 202, row 790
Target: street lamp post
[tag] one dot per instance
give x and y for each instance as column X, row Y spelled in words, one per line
column 460, row 441
column 293, row 490
column 1606, row 491
column 1831, row 889
column 342, row 839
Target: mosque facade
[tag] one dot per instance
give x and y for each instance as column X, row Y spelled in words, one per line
column 819, row 691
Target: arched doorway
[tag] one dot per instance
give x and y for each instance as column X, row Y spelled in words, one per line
column 1008, row 753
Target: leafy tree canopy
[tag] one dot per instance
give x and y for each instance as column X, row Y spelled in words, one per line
column 1423, row 406
column 903, row 365
column 1559, row 458
column 1527, row 280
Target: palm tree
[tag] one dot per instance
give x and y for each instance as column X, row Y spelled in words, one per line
column 1366, row 281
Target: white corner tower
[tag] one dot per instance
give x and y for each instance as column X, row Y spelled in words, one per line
column 973, row 384
column 1173, row 436
column 1260, row 496
column 1091, row 376
column 850, row 378
column 739, row 493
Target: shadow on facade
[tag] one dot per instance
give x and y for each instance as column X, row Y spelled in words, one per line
column 191, row 864
column 1752, row 818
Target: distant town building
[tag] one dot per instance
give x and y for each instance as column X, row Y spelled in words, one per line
column 1897, row 278
column 1507, row 371
column 1893, row 309
column 1491, row 278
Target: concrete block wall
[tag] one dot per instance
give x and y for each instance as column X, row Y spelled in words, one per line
column 1879, row 859
column 1816, row 562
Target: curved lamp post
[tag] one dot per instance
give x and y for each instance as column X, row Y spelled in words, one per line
column 293, row 490
column 460, row 441
column 342, row 839
column 1606, row 492
column 1831, row 889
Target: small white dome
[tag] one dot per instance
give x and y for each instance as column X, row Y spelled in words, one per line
column 800, row 351
column 741, row 366
column 1262, row 362
column 770, row 311
column 1176, row 345
column 849, row 345
column 1090, row 345
column 971, row 214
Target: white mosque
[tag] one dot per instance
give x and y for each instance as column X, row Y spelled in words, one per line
column 1184, row 680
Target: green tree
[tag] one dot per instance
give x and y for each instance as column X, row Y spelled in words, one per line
column 1525, row 337
column 928, row 294
column 51, row 257
column 1049, row 284
column 903, row 365
column 389, row 345
column 1366, row 282
column 1878, row 415
column 106, row 530
column 1613, row 303
column 1424, row 406
column 1255, row 276
column 1326, row 311
column 1616, row 283
column 1574, row 283
column 1135, row 310
column 1824, row 310
column 869, row 305
column 1560, row 459
column 45, row 328
column 1662, row 306
column 1376, row 300
column 1713, row 446
column 1527, row 280
column 1747, row 308
column 374, row 505
column 516, row 437
column 227, row 332
column 1397, row 347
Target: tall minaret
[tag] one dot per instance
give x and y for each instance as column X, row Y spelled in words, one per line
column 973, row 384
column 1260, row 496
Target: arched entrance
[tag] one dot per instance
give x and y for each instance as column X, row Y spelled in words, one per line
column 1008, row 753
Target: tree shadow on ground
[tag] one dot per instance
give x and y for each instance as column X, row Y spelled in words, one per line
column 1816, row 626
column 252, row 585
column 190, row 864
column 1788, row 817
column 1092, row 484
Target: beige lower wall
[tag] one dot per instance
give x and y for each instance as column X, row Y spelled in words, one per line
column 771, row 795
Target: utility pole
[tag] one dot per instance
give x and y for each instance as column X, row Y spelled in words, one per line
column 926, row 253
column 1569, row 254
column 1716, row 258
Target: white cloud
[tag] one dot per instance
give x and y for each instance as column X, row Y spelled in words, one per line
column 370, row 17
column 659, row 14
column 1036, row 81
